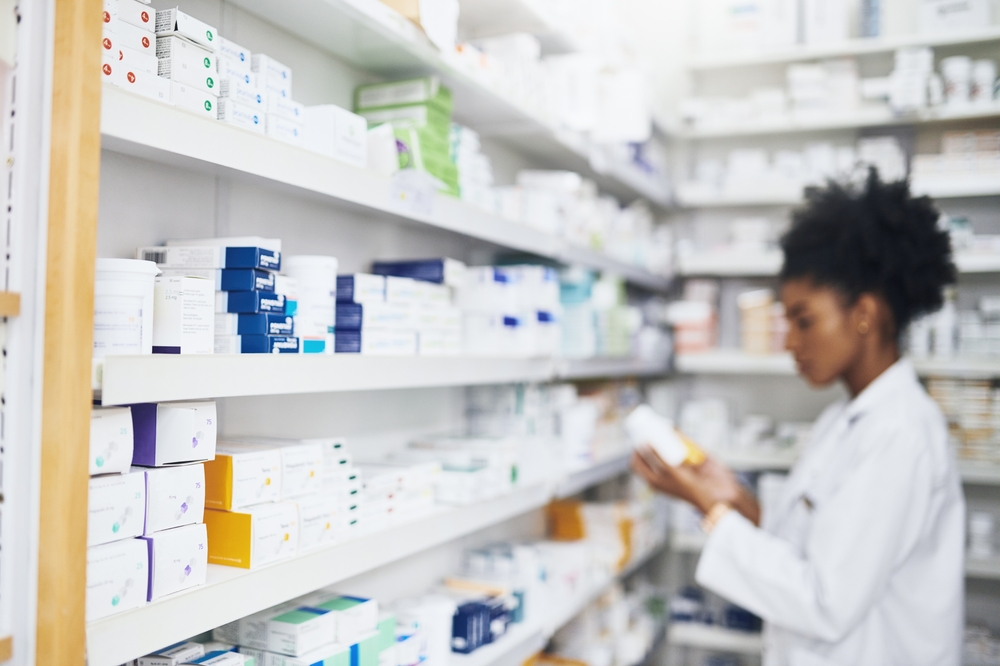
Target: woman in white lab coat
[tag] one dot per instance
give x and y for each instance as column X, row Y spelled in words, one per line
column 860, row 563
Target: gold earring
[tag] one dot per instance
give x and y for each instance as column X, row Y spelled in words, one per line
column 863, row 328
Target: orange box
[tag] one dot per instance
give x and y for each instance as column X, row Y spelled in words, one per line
column 252, row 537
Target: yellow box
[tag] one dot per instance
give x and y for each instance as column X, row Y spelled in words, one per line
column 242, row 476
column 254, row 536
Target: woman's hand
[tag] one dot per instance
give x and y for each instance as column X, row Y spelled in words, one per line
column 702, row 486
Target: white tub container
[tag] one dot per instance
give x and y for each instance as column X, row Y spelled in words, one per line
column 123, row 307
column 316, row 278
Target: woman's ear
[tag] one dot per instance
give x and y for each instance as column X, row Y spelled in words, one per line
column 871, row 316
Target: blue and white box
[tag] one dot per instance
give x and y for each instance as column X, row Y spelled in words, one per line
column 286, row 108
column 254, row 324
column 249, row 302
column 241, row 115
column 242, row 90
column 360, row 288
column 229, row 49
column 376, row 342
column 256, row 344
column 207, row 256
column 442, row 271
column 358, row 316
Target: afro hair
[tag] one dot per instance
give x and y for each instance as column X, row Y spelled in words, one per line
column 872, row 238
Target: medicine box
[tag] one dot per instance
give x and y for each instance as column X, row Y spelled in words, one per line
column 242, row 93
column 132, row 37
column 254, row 324
column 270, row 244
column 396, row 93
column 183, row 315
column 229, row 279
column 357, row 316
column 445, row 271
column 270, row 70
column 178, row 559
column 300, row 631
column 202, row 78
column 286, row 108
column 252, row 629
column 241, row 115
column 360, row 288
column 170, row 433
column 283, row 129
column 174, row 21
column 336, row 133
column 144, row 83
column 364, row 652
column 116, row 507
column 256, row 344
column 356, row 617
column 193, row 98
column 110, row 440
column 402, row 290
column 117, row 578
column 301, row 467
column 254, row 536
column 211, row 256
column 330, row 655
column 173, row 655
column 133, row 60
column 376, row 342
column 386, row 631
column 219, row 658
column 230, row 49
column 186, row 54
column 242, row 476
column 249, row 302
column 175, row 496
column 138, row 14
column 316, row 521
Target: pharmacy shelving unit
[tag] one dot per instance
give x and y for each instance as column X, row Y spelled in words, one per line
column 374, row 37
column 144, row 128
column 122, row 380
column 232, row 593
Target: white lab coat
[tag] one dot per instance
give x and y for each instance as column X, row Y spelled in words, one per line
column 860, row 561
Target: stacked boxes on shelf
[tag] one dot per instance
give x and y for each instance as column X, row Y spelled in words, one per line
column 145, row 530
column 185, row 48
column 315, row 278
column 420, row 113
column 242, row 102
column 128, row 57
column 970, row 405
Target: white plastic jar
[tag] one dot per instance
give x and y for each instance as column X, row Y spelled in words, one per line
column 316, row 280
column 123, row 307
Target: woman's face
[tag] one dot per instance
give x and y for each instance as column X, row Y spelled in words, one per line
column 822, row 332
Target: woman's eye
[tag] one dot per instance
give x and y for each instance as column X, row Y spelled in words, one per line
column 803, row 323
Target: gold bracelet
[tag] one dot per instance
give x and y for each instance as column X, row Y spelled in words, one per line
column 713, row 516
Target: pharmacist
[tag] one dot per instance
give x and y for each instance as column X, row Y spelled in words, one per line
column 860, row 561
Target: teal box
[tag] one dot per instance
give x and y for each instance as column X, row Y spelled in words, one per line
column 365, row 651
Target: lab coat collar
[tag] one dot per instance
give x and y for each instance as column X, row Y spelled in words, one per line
column 895, row 378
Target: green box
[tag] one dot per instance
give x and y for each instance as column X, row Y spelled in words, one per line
column 365, row 651
column 386, row 631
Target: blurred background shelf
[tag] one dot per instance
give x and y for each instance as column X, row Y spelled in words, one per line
column 707, row 637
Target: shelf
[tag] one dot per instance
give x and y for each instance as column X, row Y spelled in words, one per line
column 958, row 186
column 125, row 380
column 137, row 126
column 880, row 116
column 767, row 264
column 852, row 47
column 605, row 470
column 707, row 637
column 979, row 473
column 782, row 197
column 734, row 362
column 231, row 593
column 959, row 367
column 376, row 38
column 982, row 569
column 480, row 19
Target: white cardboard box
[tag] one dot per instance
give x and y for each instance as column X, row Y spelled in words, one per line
column 132, row 37
column 175, row 496
column 116, row 507
column 243, row 91
column 193, row 99
column 286, row 108
column 241, row 115
column 136, row 61
column 283, row 129
column 300, row 631
column 337, row 134
column 271, row 534
column 316, row 521
column 109, row 69
column 271, row 71
column 241, row 476
column 183, row 315
column 137, row 14
column 234, row 52
column 173, row 655
column 171, row 433
column 117, row 578
column 110, row 440
column 944, row 16
column 177, row 22
column 178, row 559
column 229, row 69
column 146, row 84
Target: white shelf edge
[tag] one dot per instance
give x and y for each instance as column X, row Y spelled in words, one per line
column 164, row 377
column 691, row 634
column 137, row 126
column 767, row 264
column 977, row 569
column 851, row 47
column 232, row 593
column 980, row 474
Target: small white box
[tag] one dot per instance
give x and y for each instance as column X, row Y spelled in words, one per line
column 116, row 507
column 944, row 16
column 270, row 70
column 136, row 61
column 117, row 578
column 301, row 630
column 109, row 69
column 183, row 315
column 273, row 88
column 283, row 129
column 356, row 617
column 200, row 77
column 301, row 464
column 192, row 99
column 337, row 133
column 134, row 38
column 174, row 47
column 146, row 84
column 138, row 14
column 175, row 21
column 172, row 656
column 251, row 631
column 286, row 108
column 220, row 658
column 236, row 53
column 229, row 69
column 316, row 521
column 110, row 440
column 170, row 433
column 242, row 475
column 175, row 496
column 242, row 91
column 241, row 115
column 178, row 559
